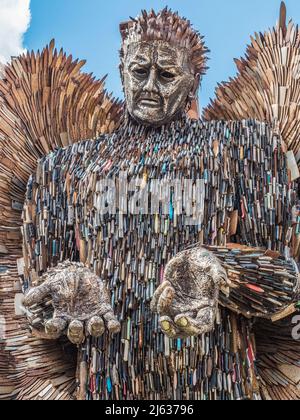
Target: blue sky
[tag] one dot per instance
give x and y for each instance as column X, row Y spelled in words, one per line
column 89, row 29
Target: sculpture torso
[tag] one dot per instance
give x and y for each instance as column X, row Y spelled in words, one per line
column 243, row 170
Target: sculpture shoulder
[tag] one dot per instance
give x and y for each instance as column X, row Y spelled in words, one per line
column 244, row 138
column 250, row 130
column 74, row 159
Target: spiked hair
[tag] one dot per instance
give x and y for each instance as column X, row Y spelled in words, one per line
column 169, row 27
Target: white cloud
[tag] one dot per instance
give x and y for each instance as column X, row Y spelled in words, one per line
column 14, row 21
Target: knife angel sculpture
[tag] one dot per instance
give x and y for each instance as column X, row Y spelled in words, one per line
column 228, row 308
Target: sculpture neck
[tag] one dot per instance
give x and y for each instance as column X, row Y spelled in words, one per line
column 129, row 125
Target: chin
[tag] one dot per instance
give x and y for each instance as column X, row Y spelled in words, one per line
column 151, row 119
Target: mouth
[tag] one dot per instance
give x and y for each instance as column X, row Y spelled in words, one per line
column 150, row 102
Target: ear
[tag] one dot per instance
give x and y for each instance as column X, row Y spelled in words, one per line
column 192, row 108
column 121, row 68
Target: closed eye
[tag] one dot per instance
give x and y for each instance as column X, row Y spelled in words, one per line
column 167, row 75
column 140, row 72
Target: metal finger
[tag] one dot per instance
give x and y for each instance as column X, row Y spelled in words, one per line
column 165, row 300
column 96, row 327
column 55, row 327
column 168, row 327
column 157, row 295
column 113, row 325
column 76, row 332
column 187, row 325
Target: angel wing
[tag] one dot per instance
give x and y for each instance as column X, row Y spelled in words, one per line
column 267, row 88
column 278, row 359
column 46, row 102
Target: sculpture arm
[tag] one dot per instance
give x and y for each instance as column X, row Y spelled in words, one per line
column 78, row 299
column 261, row 283
column 256, row 276
column 248, row 281
column 80, row 304
column 263, row 275
column 50, row 214
column 36, row 295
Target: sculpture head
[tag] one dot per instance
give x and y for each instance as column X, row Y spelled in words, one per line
column 162, row 61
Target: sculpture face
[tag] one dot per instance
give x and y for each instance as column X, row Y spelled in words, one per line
column 157, row 81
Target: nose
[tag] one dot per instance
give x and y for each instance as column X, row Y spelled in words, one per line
column 150, row 85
